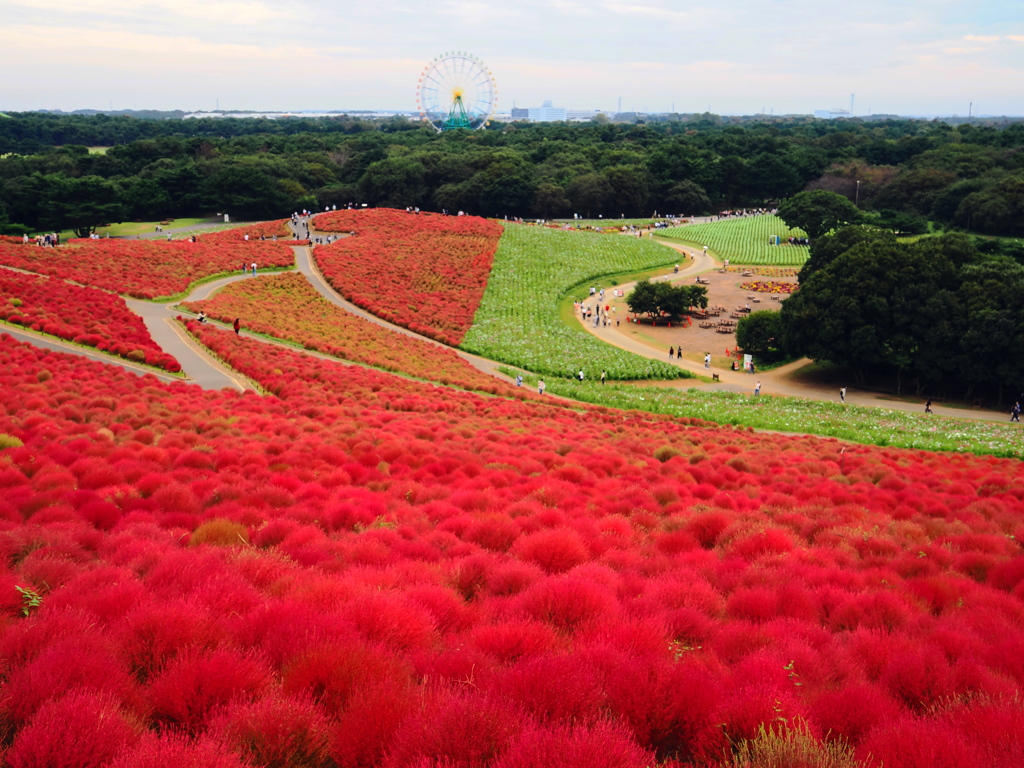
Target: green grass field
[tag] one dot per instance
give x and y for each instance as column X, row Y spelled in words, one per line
column 519, row 322
column 743, row 241
column 859, row 424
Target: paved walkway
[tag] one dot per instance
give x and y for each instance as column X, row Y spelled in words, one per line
column 307, row 266
column 56, row 345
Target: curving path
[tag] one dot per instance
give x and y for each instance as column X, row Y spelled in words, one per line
column 307, row 266
column 777, row 381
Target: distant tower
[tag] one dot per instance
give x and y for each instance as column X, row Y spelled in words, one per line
column 851, row 103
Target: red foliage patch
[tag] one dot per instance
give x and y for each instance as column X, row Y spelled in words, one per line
column 430, row 578
column 424, row 271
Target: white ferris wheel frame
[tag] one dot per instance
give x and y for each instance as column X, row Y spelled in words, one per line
column 456, row 90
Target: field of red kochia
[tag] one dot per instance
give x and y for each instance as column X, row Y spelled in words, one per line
column 425, row 272
column 146, row 269
column 81, row 315
column 361, row 570
column 286, row 306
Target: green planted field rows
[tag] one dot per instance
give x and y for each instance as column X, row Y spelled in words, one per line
column 745, row 241
column 518, row 320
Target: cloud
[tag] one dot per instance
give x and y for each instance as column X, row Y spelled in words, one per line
column 159, row 12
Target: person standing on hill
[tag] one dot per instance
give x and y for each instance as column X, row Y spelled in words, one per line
column 581, row 375
column 604, row 375
column 540, row 387
column 842, row 395
column 238, row 325
column 1015, row 413
column 757, row 389
column 928, row 406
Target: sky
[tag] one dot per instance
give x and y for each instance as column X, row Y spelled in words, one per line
column 923, row 57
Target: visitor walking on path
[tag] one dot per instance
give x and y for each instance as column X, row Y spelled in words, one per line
column 605, row 373
column 928, row 406
column 757, row 389
column 238, row 325
column 707, row 360
column 1015, row 413
column 540, row 387
column 842, row 395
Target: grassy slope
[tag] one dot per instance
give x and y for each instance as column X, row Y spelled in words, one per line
column 518, row 321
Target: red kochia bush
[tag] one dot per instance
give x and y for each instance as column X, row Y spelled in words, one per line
column 333, row 674
column 555, row 550
column 84, row 729
column 459, row 729
column 603, row 745
column 170, row 749
column 275, row 731
column 195, row 684
column 81, row 662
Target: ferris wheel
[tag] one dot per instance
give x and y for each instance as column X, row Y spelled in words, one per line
column 456, row 90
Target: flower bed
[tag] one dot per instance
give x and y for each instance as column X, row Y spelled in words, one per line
column 425, row 272
column 770, row 286
column 766, row 271
column 84, row 316
column 146, row 269
column 288, row 307
column 366, row 570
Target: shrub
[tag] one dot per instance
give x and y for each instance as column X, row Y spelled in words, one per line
column 792, row 747
column 171, row 749
column 84, row 729
column 75, row 662
column 603, row 745
column 276, row 731
column 220, row 533
column 461, row 729
column 555, row 550
column 194, row 684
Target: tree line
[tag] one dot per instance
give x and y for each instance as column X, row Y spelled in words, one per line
column 905, row 171
column 937, row 315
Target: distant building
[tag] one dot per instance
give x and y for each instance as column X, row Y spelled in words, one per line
column 830, row 114
column 581, row 115
column 520, row 113
column 546, row 114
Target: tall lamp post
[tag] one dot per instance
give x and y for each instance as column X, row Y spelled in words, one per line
column 856, row 195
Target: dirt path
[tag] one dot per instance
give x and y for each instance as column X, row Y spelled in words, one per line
column 778, row 381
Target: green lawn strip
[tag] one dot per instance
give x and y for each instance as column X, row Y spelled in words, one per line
column 859, row 424
column 117, row 358
column 209, row 279
column 743, row 240
column 520, row 320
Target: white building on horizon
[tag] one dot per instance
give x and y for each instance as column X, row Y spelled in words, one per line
column 546, row 113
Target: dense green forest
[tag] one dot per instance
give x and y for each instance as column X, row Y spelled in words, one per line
column 937, row 313
column 908, row 172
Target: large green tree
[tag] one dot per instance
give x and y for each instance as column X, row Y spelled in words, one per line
column 871, row 307
column 818, row 212
column 82, row 204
